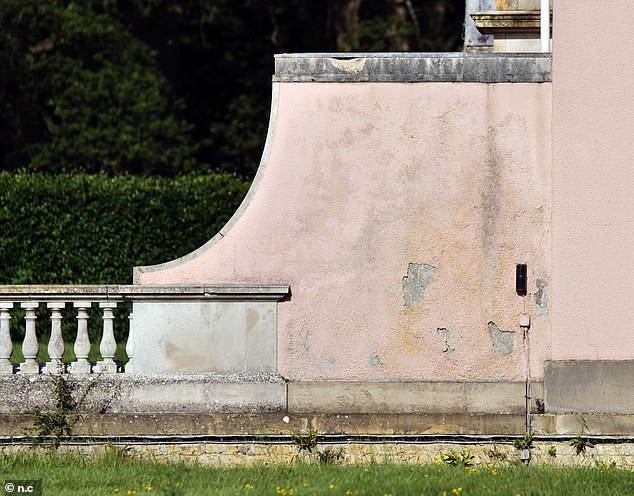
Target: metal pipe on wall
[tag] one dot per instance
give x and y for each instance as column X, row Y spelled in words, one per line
column 544, row 26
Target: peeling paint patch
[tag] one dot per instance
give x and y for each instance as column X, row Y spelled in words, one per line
column 502, row 340
column 376, row 362
column 444, row 332
column 416, row 281
column 541, row 296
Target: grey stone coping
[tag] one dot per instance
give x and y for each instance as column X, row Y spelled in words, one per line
column 135, row 292
column 413, row 67
column 507, row 21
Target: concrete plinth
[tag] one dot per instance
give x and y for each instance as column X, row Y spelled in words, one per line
column 158, row 393
column 589, row 386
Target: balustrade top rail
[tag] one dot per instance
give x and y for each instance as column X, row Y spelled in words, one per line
column 30, row 292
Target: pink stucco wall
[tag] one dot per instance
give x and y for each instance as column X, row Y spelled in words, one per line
column 593, row 180
column 362, row 179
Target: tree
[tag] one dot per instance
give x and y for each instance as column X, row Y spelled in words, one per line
column 80, row 93
column 409, row 25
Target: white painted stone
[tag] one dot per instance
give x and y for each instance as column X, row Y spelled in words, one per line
column 204, row 336
column 82, row 342
column 6, row 345
column 30, row 345
column 108, row 345
column 56, row 341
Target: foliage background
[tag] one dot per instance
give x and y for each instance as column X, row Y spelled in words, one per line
column 93, row 228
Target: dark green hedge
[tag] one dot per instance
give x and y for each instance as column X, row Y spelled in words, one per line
column 92, row 229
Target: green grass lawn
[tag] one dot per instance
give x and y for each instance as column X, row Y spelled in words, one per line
column 118, row 474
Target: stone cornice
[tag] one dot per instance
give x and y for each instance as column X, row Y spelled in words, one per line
column 413, row 67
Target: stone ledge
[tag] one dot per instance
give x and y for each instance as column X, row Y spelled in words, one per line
column 266, row 391
column 158, row 393
column 223, row 426
column 410, row 397
column 575, row 388
column 413, row 67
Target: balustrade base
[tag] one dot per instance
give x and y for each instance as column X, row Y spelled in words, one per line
column 30, row 368
column 80, row 368
column 54, row 367
column 105, row 367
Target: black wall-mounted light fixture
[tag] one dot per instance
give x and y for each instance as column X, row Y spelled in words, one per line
column 520, row 279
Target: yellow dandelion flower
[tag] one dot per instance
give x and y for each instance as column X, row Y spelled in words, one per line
column 148, row 488
column 348, row 491
column 331, row 486
column 248, row 486
column 305, row 484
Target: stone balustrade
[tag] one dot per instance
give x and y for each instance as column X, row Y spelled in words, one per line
column 33, row 300
column 56, row 302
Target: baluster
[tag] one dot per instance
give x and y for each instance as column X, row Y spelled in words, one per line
column 129, row 347
column 82, row 342
column 30, row 346
column 56, row 343
column 108, row 345
column 6, row 346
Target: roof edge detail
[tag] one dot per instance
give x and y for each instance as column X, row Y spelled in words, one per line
column 413, row 67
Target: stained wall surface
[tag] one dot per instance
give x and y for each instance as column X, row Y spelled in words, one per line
column 397, row 212
column 593, row 180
